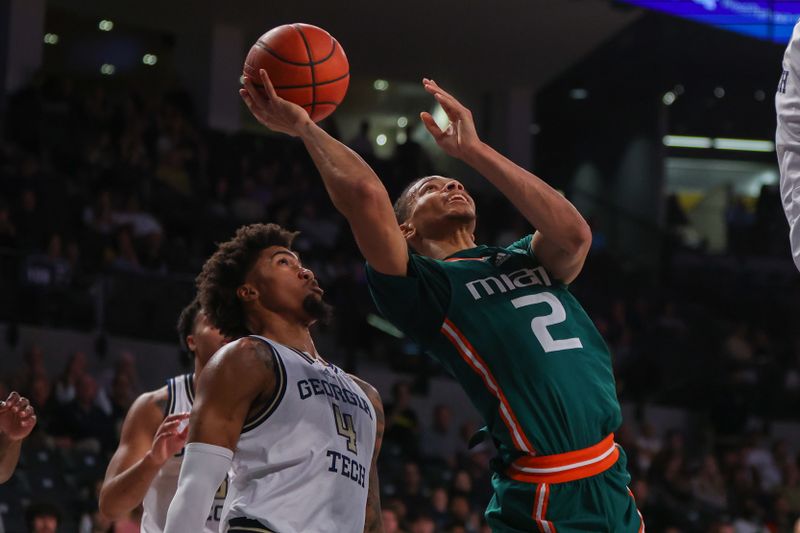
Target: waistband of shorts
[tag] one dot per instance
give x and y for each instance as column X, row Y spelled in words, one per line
column 565, row 467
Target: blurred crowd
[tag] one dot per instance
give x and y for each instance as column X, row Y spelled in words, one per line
column 118, row 197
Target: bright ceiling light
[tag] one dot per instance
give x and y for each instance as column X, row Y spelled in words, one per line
column 685, row 141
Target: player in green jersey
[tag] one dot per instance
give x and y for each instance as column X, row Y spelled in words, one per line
column 501, row 320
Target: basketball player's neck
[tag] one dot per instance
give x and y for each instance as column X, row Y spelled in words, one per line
column 282, row 329
column 445, row 246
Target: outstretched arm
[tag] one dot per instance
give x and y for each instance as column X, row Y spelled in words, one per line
column 373, row 522
column 147, row 440
column 17, row 420
column 352, row 185
column 787, row 105
column 233, row 381
column 563, row 237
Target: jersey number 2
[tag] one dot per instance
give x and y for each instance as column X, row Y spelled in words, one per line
column 346, row 428
column 539, row 324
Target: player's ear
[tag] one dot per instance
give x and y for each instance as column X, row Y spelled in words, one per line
column 246, row 293
column 190, row 343
column 408, row 230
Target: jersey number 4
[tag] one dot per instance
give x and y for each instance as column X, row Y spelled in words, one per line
column 346, row 428
column 539, row 324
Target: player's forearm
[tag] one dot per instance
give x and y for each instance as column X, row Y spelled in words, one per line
column 545, row 208
column 347, row 178
column 9, row 456
column 123, row 492
column 373, row 522
column 203, row 469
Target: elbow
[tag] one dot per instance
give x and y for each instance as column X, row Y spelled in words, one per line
column 5, row 475
column 107, row 508
column 581, row 239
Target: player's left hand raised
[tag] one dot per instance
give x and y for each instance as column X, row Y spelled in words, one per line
column 17, row 418
column 459, row 138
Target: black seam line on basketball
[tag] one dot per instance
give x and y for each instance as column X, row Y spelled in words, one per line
column 322, row 103
column 272, row 52
column 340, row 78
column 311, row 66
column 298, row 63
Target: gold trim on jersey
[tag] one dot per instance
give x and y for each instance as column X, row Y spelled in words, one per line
column 280, row 389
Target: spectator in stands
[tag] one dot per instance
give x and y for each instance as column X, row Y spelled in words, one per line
column 440, row 507
column 32, row 368
column 81, row 423
column 779, row 517
column 17, row 419
column 43, row 517
column 390, row 522
column 132, row 215
column 99, row 217
column 402, row 423
column 441, row 441
column 708, row 486
column 760, row 459
column 461, row 512
column 721, row 527
column 790, row 489
column 412, row 489
column 422, row 523
column 67, row 383
column 750, row 518
column 126, row 259
column 119, row 386
column 647, row 446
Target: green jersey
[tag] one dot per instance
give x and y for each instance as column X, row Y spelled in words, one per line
column 523, row 348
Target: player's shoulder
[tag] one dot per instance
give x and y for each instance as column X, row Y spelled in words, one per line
column 150, row 407
column 371, row 392
column 243, row 356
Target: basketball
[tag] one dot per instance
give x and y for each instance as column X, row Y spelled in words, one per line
column 306, row 65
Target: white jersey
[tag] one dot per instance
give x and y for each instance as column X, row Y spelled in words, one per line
column 787, row 105
column 156, row 502
column 302, row 463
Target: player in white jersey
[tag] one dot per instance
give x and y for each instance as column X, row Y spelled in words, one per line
column 787, row 105
column 146, row 465
column 302, row 435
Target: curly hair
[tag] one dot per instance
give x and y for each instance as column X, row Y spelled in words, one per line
column 226, row 270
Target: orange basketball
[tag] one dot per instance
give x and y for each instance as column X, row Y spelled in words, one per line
column 305, row 64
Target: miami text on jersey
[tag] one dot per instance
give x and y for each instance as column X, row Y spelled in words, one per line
column 525, row 277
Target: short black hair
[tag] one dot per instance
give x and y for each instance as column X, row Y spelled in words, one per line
column 402, row 206
column 186, row 322
column 226, row 270
column 42, row 509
